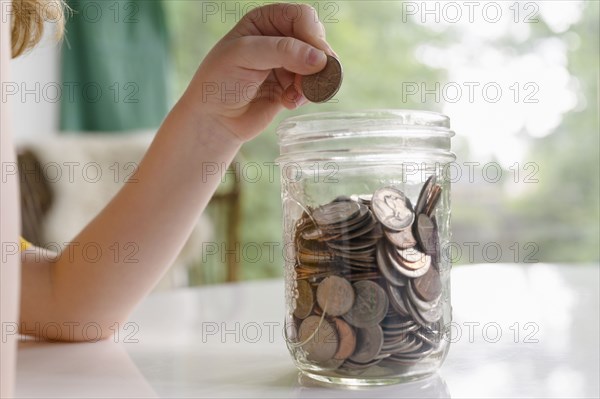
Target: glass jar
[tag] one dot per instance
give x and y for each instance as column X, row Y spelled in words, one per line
column 366, row 214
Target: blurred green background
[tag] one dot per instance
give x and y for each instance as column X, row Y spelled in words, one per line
column 543, row 133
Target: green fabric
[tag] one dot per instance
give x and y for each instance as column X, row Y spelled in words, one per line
column 115, row 66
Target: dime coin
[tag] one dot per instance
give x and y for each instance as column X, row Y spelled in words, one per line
column 335, row 295
column 319, row 339
column 305, row 301
column 370, row 305
column 323, row 85
column 391, row 209
column 369, row 342
column 347, row 338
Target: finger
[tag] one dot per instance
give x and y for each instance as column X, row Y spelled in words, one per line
column 292, row 98
column 294, row 20
column 267, row 52
column 283, row 77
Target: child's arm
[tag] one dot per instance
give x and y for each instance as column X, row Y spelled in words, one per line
column 156, row 213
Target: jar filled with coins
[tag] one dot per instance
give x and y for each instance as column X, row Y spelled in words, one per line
column 366, row 216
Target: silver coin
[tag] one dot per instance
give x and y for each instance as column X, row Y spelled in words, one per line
column 432, row 315
column 402, row 239
column 400, row 264
column 368, row 344
column 391, row 208
column 370, row 305
column 335, row 212
column 396, row 300
column 414, row 313
column 390, row 273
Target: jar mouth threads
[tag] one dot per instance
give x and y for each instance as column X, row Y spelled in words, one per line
column 369, row 132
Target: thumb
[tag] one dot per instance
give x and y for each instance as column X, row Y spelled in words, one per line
column 269, row 52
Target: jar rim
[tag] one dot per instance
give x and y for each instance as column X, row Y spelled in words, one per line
column 393, row 121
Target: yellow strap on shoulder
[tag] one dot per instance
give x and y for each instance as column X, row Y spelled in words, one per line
column 25, row 245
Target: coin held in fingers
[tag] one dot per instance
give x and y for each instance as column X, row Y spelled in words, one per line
column 322, row 86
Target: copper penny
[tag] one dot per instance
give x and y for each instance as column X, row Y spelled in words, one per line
column 347, row 338
column 305, row 300
column 428, row 287
column 335, row 295
column 323, row 85
column 319, row 339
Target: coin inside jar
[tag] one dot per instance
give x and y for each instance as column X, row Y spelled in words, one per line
column 335, row 295
column 426, row 233
column 323, row 85
column 392, row 208
column 319, row 339
column 305, row 301
column 369, row 343
column 428, row 287
column 347, row 338
column 370, row 305
column 403, row 239
column 335, row 212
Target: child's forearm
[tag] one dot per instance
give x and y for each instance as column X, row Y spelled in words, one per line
column 152, row 216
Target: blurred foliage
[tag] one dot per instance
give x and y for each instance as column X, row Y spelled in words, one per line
column 378, row 53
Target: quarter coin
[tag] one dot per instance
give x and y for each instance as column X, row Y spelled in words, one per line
column 391, row 208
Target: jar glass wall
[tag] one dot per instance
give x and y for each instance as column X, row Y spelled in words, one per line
column 366, row 213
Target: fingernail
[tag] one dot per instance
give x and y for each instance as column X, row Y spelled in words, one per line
column 315, row 57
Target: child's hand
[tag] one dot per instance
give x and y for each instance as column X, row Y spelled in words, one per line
column 255, row 70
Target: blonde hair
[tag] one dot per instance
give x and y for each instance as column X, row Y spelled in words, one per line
column 28, row 17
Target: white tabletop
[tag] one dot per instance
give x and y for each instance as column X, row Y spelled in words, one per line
column 225, row 341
